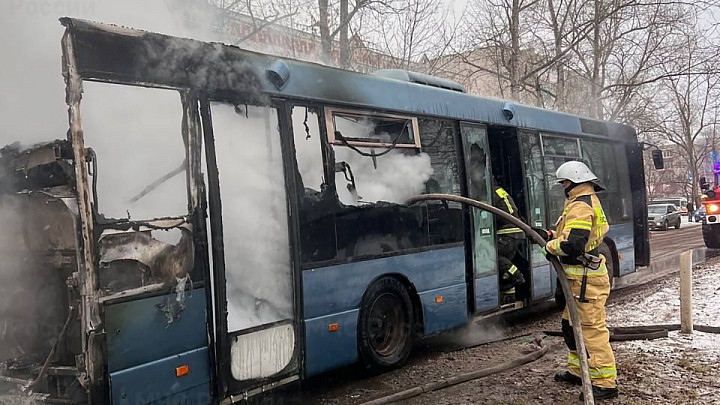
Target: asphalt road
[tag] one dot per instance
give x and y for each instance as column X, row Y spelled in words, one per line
column 675, row 241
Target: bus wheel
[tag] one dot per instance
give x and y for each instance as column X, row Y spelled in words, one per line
column 711, row 236
column 385, row 325
column 609, row 263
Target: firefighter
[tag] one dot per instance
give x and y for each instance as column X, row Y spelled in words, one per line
column 575, row 240
column 510, row 263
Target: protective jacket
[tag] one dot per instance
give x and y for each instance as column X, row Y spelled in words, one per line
column 580, row 230
column 501, row 199
column 510, row 263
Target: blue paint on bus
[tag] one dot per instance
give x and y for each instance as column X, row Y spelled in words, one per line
column 622, row 235
column 444, row 308
column 325, row 350
column 486, row 292
column 431, row 273
column 144, row 350
column 158, row 382
column 138, row 331
column 542, row 285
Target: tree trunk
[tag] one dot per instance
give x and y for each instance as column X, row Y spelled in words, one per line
column 323, row 24
column 559, row 69
column 344, row 43
column 514, row 62
column 595, row 100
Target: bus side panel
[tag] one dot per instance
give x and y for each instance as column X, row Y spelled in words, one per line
column 331, row 350
column 147, row 352
column 486, row 293
column 444, row 308
column 179, row 379
column 138, row 331
column 622, row 235
column 542, row 281
column 333, row 295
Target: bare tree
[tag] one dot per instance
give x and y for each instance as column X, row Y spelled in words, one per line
column 417, row 29
column 687, row 106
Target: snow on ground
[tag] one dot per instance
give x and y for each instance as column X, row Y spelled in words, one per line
column 682, row 368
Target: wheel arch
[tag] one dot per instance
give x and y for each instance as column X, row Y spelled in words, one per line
column 615, row 255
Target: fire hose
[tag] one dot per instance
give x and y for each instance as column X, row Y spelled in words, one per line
column 536, row 238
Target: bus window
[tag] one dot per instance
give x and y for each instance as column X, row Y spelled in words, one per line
column 556, row 146
column 139, row 176
column 143, row 145
column 437, row 138
column 373, row 180
column 317, row 203
column 532, row 157
column 361, row 129
column 438, row 141
column 608, row 162
column 377, row 158
column 556, row 151
column 254, row 213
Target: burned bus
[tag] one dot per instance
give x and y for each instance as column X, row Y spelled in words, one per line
column 220, row 222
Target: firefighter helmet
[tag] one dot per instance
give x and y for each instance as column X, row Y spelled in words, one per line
column 577, row 172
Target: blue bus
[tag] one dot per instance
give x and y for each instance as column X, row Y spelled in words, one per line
column 220, row 222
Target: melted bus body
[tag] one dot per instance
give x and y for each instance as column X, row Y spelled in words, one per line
column 260, row 235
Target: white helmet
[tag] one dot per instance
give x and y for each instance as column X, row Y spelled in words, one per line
column 578, row 173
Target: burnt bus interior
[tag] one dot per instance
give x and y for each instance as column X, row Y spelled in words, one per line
column 132, row 224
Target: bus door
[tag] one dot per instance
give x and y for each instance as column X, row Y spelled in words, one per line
column 482, row 245
column 257, row 328
column 543, row 277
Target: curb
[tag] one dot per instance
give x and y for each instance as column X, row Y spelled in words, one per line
column 662, row 267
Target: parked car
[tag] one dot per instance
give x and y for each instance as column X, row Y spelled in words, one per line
column 679, row 202
column 699, row 214
column 662, row 216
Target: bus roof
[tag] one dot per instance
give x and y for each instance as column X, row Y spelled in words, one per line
column 155, row 60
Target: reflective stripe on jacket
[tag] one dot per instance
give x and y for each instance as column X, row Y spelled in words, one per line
column 579, row 230
column 501, row 199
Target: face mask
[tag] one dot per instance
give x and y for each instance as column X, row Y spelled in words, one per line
column 568, row 188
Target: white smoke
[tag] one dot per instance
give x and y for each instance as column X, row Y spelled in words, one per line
column 255, row 228
column 32, row 106
column 396, row 178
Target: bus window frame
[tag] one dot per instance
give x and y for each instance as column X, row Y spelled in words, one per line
column 561, row 136
column 329, row 113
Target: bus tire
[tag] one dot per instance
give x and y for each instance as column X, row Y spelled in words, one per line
column 385, row 325
column 610, row 262
column 711, row 236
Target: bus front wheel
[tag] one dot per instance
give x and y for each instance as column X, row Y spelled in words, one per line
column 385, row 336
column 711, row 235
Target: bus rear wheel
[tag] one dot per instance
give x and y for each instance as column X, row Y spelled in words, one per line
column 385, row 336
column 609, row 263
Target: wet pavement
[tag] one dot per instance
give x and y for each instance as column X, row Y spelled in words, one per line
column 674, row 241
column 680, row 369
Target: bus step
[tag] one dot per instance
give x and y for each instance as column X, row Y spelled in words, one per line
column 512, row 306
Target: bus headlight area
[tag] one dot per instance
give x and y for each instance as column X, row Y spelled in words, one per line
column 216, row 232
